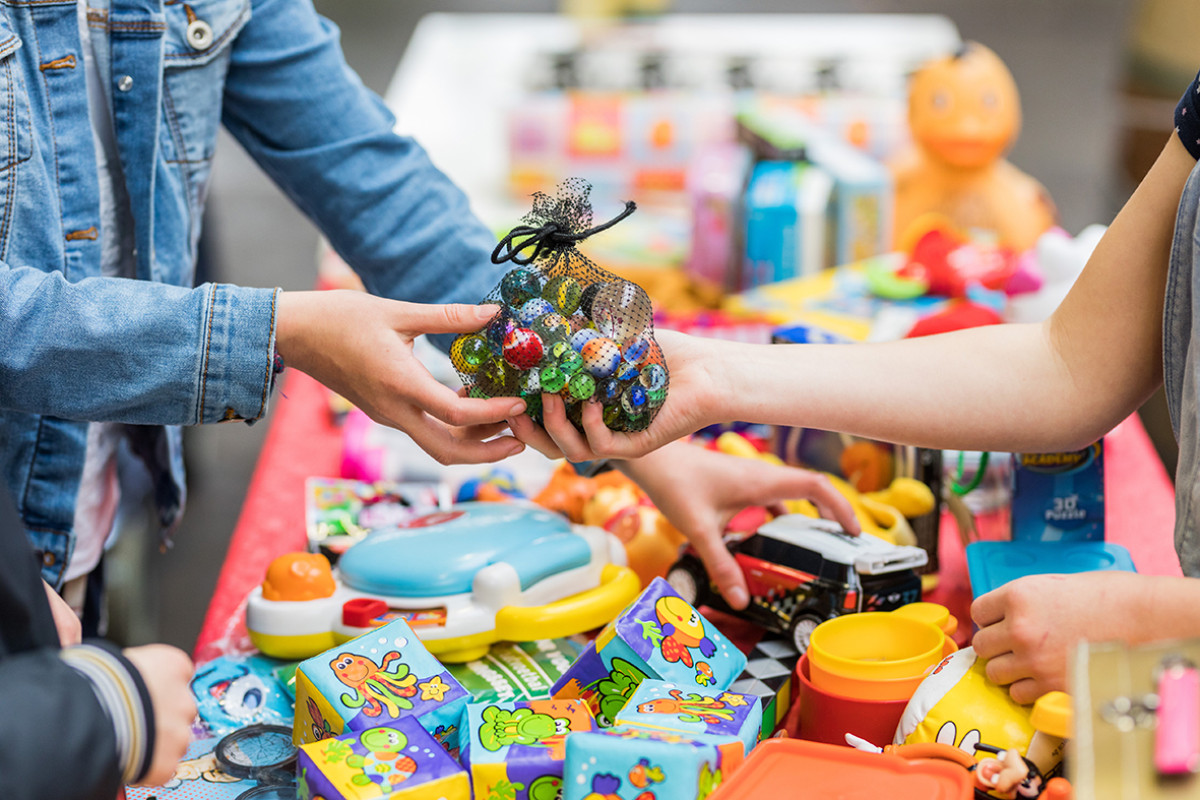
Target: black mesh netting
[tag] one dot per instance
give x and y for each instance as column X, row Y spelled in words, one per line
column 565, row 325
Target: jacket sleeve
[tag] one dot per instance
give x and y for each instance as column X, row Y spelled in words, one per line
column 328, row 141
column 65, row 741
column 120, row 350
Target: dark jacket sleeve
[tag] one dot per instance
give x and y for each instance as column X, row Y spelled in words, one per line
column 61, row 743
column 79, row 720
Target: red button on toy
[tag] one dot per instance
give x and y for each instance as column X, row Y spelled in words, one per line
column 359, row 612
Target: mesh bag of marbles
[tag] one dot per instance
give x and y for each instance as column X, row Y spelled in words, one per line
column 565, row 325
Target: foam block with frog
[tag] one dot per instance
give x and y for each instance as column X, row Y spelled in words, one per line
column 516, row 749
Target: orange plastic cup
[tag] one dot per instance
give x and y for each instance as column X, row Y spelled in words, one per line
column 873, row 655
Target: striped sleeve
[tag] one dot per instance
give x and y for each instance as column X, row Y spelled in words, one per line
column 124, row 697
column 1187, row 119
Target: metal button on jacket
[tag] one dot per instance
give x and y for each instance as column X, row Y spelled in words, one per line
column 125, row 83
column 199, row 34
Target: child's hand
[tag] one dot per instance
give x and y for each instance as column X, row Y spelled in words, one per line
column 167, row 673
column 691, row 396
column 700, row 490
column 1029, row 627
column 70, row 629
column 360, row 346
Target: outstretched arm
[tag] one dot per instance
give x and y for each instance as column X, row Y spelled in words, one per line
column 1053, row 386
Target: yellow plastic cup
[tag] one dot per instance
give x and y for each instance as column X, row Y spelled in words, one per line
column 932, row 613
column 874, row 655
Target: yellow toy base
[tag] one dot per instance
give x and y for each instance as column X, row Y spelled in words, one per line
column 575, row 614
column 292, row 648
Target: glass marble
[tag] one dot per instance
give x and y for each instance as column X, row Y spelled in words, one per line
column 559, row 349
column 655, row 397
column 518, row 285
column 622, row 310
column 498, row 378
column 601, row 357
column 564, row 292
column 638, row 423
column 570, row 362
column 633, row 400
column 532, row 309
column 533, row 407
column 523, row 348
column 468, row 353
column 654, row 376
column 635, row 349
column 552, row 328
column 581, row 337
column 626, row 371
column 582, row 386
column 609, row 391
column 614, row 417
column 531, row 383
column 552, row 379
column 579, row 322
column 498, row 330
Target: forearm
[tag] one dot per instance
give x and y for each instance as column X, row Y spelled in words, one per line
column 655, row 465
column 967, row 390
column 117, row 350
column 1057, row 385
column 1166, row 608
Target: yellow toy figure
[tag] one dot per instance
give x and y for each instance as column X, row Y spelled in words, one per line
column 965, row 114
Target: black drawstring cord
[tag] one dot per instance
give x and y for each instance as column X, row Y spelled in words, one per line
column 546, row 237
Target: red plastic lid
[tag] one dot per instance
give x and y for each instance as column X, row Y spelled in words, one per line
column 773, row 768
column 359, row 612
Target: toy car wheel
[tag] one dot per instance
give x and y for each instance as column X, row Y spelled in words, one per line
column 689, row 580
column 802, row 628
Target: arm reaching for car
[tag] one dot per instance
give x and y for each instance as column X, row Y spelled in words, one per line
column 700, row 491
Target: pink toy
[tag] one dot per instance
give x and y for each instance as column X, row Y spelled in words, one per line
column 1177, row 738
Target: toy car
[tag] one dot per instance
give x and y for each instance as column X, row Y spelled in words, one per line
column 463, row 579
column 802, row 571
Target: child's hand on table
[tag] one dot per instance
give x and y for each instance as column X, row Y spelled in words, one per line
column 700, row 490
column 167, row 673
column 1029, row 627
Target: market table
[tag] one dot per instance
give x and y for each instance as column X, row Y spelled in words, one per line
column 304, row 440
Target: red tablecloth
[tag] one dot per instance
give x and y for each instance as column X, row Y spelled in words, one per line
column 304, row 441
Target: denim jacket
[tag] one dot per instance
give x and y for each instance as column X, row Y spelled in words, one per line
column 155, row 351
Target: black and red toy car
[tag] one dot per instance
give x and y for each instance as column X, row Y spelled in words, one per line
column 802, row 571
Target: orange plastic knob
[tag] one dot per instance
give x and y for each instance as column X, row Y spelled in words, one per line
column 298, row 576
